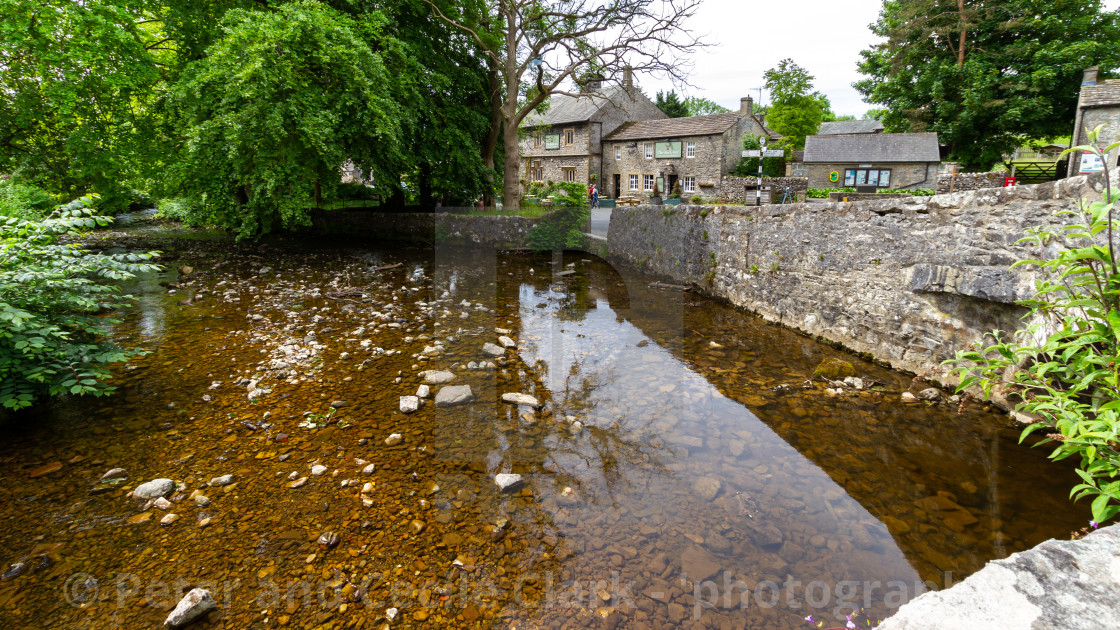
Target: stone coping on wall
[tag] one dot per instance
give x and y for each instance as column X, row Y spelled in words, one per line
column 843, row 196
column 1069, row 584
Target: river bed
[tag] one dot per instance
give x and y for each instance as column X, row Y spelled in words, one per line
column 679, row 470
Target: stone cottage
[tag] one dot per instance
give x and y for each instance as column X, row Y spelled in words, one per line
column 565, row 144
column 872, row 160
column 1098, row 104
column 696, row 152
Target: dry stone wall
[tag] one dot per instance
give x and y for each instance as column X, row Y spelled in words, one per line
column 961, row 182
column 425, row 227
column 909, row 281
column 734, row 189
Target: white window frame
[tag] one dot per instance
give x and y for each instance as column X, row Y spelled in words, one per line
column 648, row 182
column 617, row 152
column 688, row 184
column 634, row 181
column 649, row 150
column 690, row 149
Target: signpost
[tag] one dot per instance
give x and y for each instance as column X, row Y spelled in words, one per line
column 761, row 153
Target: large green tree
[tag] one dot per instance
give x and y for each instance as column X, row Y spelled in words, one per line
column 76, row 83
column 984, row 75
column 796, row 110
column 277, row 105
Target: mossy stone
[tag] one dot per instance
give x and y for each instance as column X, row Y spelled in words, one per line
column 834, row 369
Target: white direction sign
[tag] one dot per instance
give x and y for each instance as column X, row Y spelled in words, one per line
column 767, row 153
column 755, row 153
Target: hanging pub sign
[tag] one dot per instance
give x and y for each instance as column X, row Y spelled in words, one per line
column 667, row 150
column 552, row 141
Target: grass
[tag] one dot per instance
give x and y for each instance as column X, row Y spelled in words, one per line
column 527, row 211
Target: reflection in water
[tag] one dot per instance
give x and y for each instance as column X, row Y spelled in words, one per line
column 678, row 464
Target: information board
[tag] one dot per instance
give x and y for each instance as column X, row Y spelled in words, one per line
column 552, row 141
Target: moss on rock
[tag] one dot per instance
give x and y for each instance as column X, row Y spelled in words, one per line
column 834, row 369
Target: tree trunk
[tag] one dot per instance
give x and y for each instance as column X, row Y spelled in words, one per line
column 511, row 185
column 490, row 144
column 318, row 194
column 425, row 186
column 964, row 34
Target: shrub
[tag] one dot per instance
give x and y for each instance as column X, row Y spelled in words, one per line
column 1063, row 366
column 916, row 192
column 53, row 339
column 563, row 228
column 822, row 193
column 24, row 201
column 176, row 209
column 697, row 199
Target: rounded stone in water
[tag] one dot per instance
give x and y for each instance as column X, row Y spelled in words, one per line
column 154, row 489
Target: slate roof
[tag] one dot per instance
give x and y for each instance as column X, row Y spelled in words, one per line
column 1103, row 94
column 564, row 109
column 676, row 127
column 837, row 127
column 873, row 147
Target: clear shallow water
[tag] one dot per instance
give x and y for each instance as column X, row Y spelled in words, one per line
column 696, row 493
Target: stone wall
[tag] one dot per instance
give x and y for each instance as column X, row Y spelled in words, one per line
column 1071, row 584
column 505, row 232
column 908, row 281
column 961, row 182
column 734, row 189
column 843, row 196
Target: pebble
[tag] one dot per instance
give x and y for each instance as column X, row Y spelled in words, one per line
column 931, row 394
column 368, row 469
column 423, row 391
column 436, row 377
column 491, row 350
column 508, row 482
column 507, row 342
column 194, row 604
column 298, row 483
column 224, row 480
column 409, row 404
column 162, row 504
column 318, row 469
column 394, row 439
column 454, row 395
column 521, row 399
column 168, row 519
column 153, row 489
column 115, row 473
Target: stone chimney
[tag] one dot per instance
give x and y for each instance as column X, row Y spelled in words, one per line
column 746, row 107
column 628, row 77
column 1090, row 76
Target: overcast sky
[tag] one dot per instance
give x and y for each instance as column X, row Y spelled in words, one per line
column 822, row 36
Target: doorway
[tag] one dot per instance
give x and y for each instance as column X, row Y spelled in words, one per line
column 617, row 186
column 672, row 185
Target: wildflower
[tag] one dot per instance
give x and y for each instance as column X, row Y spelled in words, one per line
column 1094, row 524
column 809, row 619
column 851, row 624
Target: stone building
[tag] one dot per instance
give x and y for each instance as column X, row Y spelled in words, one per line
column 565, row 144
column 872, row 160
column 1098, row 104
column 696, row 151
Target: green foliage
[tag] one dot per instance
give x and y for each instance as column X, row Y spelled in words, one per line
column 697, row 199
column 176, row 209
column 748, row 167
column 822, row 193
column 797, row 111
column 24, row 201
column 1065, row 366
column 563, row 228
column 671, row 104
column 700, row 106
column 1017, row 75
column 78, row 83
column 280, row 101
column 53, row 337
